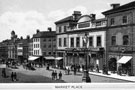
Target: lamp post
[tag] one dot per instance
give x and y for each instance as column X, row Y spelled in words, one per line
column 86, row 77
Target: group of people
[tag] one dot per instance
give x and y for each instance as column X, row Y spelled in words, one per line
column 54, row 75
column 14, row 76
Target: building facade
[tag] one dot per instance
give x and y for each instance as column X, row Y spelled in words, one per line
column 44, row 43
column 120, row 37
column 71, row 43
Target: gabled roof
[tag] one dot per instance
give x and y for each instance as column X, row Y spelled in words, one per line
column 45, row 34
column 69, row 18
column 124, row 7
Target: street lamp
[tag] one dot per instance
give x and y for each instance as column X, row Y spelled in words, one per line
column 86, row 77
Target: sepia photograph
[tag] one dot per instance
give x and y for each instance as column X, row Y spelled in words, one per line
column 67, row 44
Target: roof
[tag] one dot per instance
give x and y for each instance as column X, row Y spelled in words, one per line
column 101, row 19
column 45, row 34
column 127, row 6
column 69, row 18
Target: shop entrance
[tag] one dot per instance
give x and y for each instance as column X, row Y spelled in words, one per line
column 112, row 64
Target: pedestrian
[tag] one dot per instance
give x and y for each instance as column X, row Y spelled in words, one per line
column 60, row 75
column 74, row 70
column 12, row 76
column 68, row 71
column 53, row 75
column 15, row 76
column 4, row 72
column 97, row 68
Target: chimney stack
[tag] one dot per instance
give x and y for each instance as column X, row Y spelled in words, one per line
column 38, row 30
column 49, row 29
column 76, row 15
column 93, row 16
column 115, row 5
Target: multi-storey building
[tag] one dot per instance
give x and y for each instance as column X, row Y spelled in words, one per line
column 62, row 26
column 44, row 43
column 71, row 44
column 120, row 36
column 30, row 47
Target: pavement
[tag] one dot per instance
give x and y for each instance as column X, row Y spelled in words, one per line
column 114, row 75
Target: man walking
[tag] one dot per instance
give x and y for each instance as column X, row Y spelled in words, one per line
column 60, row 75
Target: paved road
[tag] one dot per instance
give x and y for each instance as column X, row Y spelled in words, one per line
column 41, row 75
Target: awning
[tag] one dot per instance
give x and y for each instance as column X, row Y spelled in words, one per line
column 32, row 58
column 2, row 65
column 58, row 58
column 124, row 59
column 49, row 58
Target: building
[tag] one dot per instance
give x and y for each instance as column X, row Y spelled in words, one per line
column 44, row 44
column 70, row 44
column 30, row 47
column 120, row 37
column 62, row 26
column 12, row 47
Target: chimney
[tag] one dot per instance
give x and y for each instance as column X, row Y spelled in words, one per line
column 93, row 16
column 115, row 5
column 76, row 15
column 49, row 29
column 38, row 30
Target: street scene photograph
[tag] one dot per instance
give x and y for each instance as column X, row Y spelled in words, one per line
column 67, row 41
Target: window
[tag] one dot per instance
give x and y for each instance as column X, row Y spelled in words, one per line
column 44, row 39
column 60, row 42
column 44, row 53
column 125, row 40
column 54, row 39
column 124, row 19
column 49, row 53
column 65, row 42
column 113, row 40
column 44, row 46
column 98, row 40
column 65, row 28
column 49, row 39
column 60, row 29
column 49, row 46
column 72, row 42
column 112, row 21
column 77, row 41
column 90, row 41
column 54, row 46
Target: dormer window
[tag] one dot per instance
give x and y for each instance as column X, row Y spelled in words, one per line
column 124, row 19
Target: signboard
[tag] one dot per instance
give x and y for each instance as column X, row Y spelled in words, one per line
column 2, row 65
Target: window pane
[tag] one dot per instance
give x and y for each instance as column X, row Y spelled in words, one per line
column 99, row 41
column 72, row 42
column 90, row 41
column 78, row 42
column 125, row 40
column 113, row 40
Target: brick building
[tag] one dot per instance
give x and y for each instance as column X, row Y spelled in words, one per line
column 120, row 36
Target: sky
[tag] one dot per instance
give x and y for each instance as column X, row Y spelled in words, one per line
column 26, row 16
